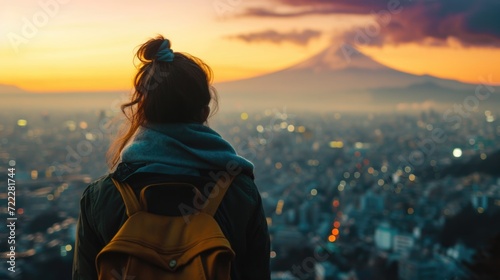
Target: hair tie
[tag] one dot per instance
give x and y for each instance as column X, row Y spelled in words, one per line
column 165, row 54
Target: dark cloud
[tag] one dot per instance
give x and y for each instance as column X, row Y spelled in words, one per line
column 318, row 7
column 297, row 37
column 471, row 22
column 262, row 12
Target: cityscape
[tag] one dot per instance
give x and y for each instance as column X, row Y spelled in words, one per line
column 373, row 126
column 412, row 195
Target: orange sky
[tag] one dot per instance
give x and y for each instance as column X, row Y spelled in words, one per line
column 75, row 45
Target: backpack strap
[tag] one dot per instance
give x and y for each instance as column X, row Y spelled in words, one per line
column 128, row 196
column 217, row 194
column 212, row 204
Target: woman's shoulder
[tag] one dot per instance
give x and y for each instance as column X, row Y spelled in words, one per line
column 241, row 180
column 245, row 190
column 100, row 192
column 245, row 182
column 103, row 205
column 98, row 185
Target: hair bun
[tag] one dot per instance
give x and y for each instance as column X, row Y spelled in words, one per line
column 165, row 53
column 150, row 49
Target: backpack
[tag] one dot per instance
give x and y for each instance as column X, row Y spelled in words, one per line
column 156, row 247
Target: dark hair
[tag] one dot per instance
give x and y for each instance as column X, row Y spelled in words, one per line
column 176, row 91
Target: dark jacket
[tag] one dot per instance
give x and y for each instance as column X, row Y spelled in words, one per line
column 240, row 217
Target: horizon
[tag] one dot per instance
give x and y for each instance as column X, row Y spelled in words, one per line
column 299, row 64
column 327, row 81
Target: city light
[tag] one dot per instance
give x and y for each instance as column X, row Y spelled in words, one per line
column 336, row 144
column 71, row 125
column 335, row 203
column 301, row 129
column 457, row 152
column 34, row 174
column 83, row 125
column 89, row 136
column 279, row 207
column 489, row 116
column 332, row 238
column 313, row 162
column 49, row 171
column 22, row 122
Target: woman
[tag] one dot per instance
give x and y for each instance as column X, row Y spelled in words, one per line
column 167, row 139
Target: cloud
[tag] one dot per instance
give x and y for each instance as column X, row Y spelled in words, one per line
column 263, row 12
column 470, row 22
column 297, row 37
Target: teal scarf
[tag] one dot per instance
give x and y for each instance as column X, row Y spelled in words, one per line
column 181, row 149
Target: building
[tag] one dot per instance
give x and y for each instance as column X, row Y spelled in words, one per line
column 402, row 244
column 384, row 235
column 418, row 269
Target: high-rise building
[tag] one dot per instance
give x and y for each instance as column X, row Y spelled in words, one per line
column 418, row 269
column 403, row 244
column 384, row 235
column 479, row 201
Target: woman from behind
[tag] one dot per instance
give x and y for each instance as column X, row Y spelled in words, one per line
column 167, row 137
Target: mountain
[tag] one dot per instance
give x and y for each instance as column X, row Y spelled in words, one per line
column 336, row 79
column 10, row 89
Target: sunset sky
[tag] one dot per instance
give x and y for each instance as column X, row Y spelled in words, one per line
column 75, row 45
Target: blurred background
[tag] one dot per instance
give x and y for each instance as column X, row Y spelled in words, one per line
column 373, row 125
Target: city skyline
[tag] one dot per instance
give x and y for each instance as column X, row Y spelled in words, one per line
column 374, row 196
